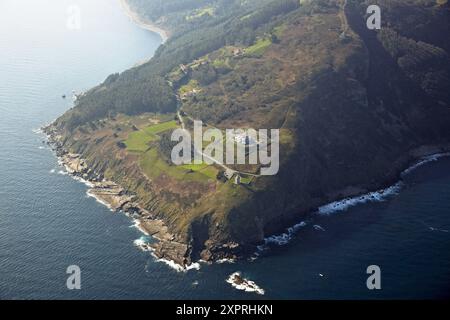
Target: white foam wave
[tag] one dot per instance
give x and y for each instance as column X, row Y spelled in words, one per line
column 106, row 204
column 83, row 181
column 345, row 204
column 177, row 267
column 284, row 238
column 143, row 244
column 222, row 261
column 318, row 227
column 425, row 160
column 137, row 224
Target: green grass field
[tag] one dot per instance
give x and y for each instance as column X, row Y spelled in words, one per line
column 246, row 179
column 222, row 63
column 200, row 13
column 153, row 166
column 161, row 127
column 258, row 48
column 204, row 169
column 139, row 141
column 193, row 84
column 278, row 31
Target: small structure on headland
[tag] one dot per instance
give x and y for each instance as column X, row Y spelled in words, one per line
column 190, row 94
column 244, row 139
column 237, row 52
column 184, row 69
column 229, row 174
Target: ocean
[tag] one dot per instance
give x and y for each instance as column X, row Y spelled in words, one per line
column 47, row 221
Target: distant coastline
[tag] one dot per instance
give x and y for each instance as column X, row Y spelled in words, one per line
column 141, row 22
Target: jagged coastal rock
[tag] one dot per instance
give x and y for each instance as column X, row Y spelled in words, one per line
column 117, row 199
column 240, row 283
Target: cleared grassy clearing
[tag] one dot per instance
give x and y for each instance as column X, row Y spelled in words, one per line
column 191, row 86
column 258, row 49
column 204, row 169
column 222, row 63
column 278, row 31
column 139, row 141
column 200, row 13
column 246, row 179
column 153, row 166
column 161, row 127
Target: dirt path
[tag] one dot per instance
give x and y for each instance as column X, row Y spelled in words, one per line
column 343, row 16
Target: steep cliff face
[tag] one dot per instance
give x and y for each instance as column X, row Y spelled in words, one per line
column 359, row 116
column 355, row 107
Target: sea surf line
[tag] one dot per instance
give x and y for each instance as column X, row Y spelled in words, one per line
column 345, row 204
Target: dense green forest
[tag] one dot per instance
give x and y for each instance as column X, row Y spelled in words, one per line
column 145, row 88
column 200, row 27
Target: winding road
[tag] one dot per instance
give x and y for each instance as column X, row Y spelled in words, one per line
column 228, row 171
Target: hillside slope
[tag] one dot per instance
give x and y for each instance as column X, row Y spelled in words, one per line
column 355, row 107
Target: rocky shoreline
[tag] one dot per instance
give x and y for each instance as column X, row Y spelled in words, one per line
column 167, row 248
column 117, row 199
column 240, row 283
column 351, row 197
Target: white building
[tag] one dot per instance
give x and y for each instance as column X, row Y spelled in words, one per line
column 244, row 139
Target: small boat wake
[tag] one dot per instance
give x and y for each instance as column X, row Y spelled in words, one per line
column 430, row 228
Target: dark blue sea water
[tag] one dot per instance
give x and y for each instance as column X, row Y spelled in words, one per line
column 48, row 223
